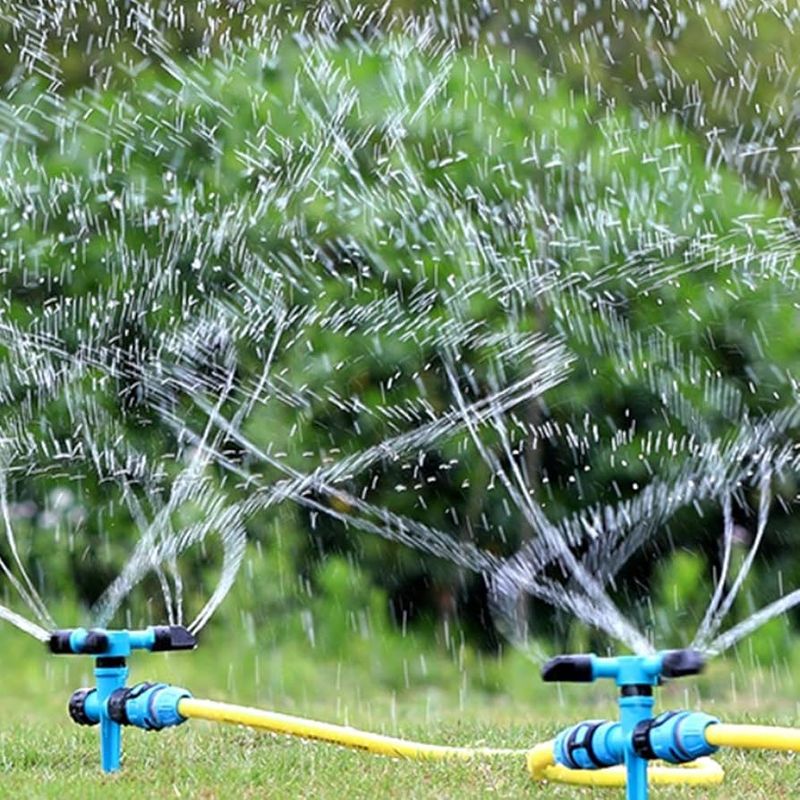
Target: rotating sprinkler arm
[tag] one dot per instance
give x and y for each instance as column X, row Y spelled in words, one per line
column 624, row 670
column 111, row 704
column 120, row 643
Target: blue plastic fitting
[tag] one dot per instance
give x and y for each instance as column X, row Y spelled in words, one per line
column 590, row 745
column 675, row 736
column 111, row 704
column 150, row 706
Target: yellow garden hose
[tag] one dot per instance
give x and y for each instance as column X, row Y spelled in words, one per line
column 541, row 763
column 346, row 736
column 752, row 737
column 542, row 766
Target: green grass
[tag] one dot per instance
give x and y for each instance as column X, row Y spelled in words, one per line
column 42, row 754
column 54, row 760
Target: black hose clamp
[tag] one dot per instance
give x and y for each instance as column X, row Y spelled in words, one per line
column 118, row 701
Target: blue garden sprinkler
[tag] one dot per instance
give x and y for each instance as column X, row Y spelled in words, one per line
column 677, row 737
column 616, row 751
column 111, row 703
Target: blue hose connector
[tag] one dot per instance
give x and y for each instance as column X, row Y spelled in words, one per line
column 674, row 736
column 150, row 706
column 592, row 744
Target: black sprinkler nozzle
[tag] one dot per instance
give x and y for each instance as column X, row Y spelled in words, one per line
column 568, row 669
column 173, row 637
column 59, row 643
column 680, row 663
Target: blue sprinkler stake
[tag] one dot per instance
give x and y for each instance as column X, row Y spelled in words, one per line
column 676, row 736
column 111, row 704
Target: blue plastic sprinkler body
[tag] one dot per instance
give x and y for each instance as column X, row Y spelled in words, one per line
column 112, row 704
column 675, row 736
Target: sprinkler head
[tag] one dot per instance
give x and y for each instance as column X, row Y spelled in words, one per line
column 111, row 704
column 675, row 737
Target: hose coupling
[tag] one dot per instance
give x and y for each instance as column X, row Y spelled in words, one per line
column 150, row 706
column 593, row 744
column 674, row 736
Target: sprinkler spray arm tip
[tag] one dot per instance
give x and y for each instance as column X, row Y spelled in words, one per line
column 568, row 669
column 680, row 663
column 172, row 637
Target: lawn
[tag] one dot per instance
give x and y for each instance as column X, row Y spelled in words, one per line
column 44, row 755
column 54, row 760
